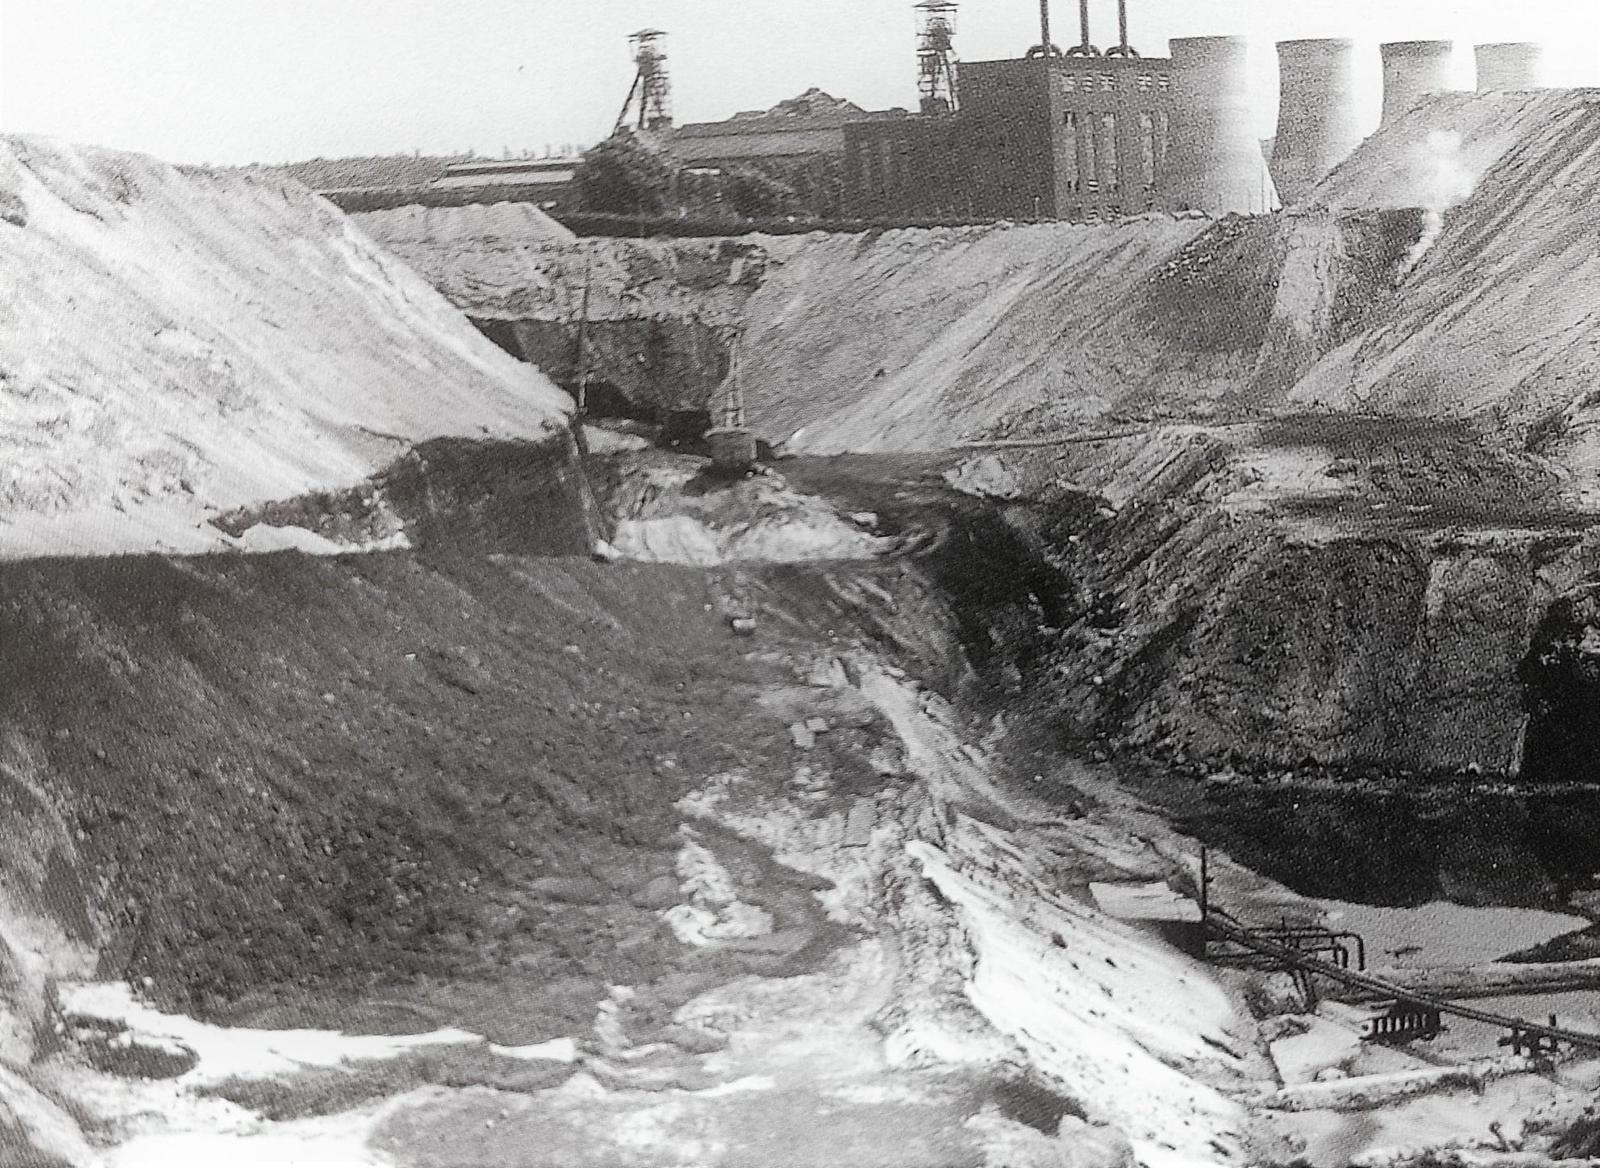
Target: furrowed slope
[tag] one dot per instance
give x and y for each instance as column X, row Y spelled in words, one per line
column 434, row 238
column 1499, row 320
column 1434, row 155
column 660, row 314
column 177, row 344
column 918, row 338
column 906, row 340
column 921, row 339
column 248, row 777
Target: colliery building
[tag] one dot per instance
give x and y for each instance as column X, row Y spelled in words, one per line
column 1033, row 138
column 1085, row 134
column 1062, row 137
column 1078, row 135
column 800, row 142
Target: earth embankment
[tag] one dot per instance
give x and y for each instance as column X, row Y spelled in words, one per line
column 181, row 343
column 920, row 338
column 195, row 363
column 1343, row 452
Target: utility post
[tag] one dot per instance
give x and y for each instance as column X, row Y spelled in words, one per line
column 583, row 337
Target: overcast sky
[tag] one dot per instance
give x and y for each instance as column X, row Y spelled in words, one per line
column 277, row 80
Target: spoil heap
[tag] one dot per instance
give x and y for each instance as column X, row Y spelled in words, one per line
column 1435, row 278
column 1495, row 321
column 180, row 344
column 916, row 339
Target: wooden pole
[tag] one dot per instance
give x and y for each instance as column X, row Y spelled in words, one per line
column 583, row 339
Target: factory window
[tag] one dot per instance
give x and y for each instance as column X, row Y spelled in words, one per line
column 1069, row 83
column 1146, row 82
column 1163, row 81
column 1147, row 150
column 1070, row 170
column 1108, row 152
column 1088, row 171
column 1108, row 82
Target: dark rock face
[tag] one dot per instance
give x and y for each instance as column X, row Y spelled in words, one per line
column 638, row 369
column 1373, row 612
column 529, row 498
column 288, row 772
column 1561, row 675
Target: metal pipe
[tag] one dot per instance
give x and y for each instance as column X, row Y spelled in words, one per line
column 1083, row 23
column 1122, row 48
column 1044, row 25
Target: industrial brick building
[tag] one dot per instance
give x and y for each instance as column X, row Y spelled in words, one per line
column 1079, row 134
column 800, row 141
column 1034, row 138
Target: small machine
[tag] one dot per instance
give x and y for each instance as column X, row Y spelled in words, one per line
column 1401, row 1021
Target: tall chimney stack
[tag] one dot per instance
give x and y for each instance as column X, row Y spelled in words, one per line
column 1518, row 65
column 1214, row 160
column 1412, row 69
column 1316, row 114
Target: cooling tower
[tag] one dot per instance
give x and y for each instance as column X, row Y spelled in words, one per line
column 1316, row 114
column 1412, row 69
column 1214, row 160
column 1510, row 66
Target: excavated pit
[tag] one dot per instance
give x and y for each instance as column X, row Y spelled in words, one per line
column 1561, row 676
column 1015, row 574
column 367, row 790
column 638, row 369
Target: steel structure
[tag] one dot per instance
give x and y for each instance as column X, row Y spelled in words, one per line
column 936, row 56
column 732, row 445
column 1524, row 1036
column 649, row 102
column 1122, row 48
column 1048, row 48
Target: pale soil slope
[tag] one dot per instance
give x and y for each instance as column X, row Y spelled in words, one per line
column 176, row 343
column 905, row 340
column 1434, row 155
column 452, row 230
column 513, row 262
column 1499, row 320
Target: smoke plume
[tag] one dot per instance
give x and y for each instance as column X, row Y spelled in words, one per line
column 1444, row 180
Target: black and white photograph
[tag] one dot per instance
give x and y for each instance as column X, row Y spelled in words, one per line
column 799, row 584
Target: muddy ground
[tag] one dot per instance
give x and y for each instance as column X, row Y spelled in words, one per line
column 288, row 774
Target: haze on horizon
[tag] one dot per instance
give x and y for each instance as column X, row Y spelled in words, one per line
column 280, row 80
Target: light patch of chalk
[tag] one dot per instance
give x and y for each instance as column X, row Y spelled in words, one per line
column 700, row 927
column 226, row 1052
column 557, row 1050
column 335, row 1142
column 714, row 912
column 739, row 1087
column 265, row 537
column 887, row 1091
